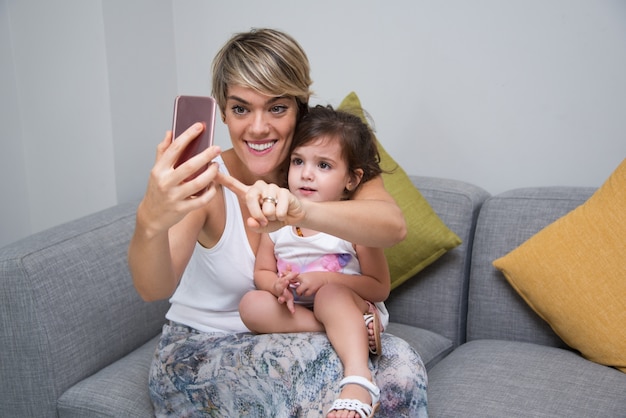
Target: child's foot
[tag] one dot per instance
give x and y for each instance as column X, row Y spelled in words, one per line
column 371, row 336
column 359, row 398
column 374, row 329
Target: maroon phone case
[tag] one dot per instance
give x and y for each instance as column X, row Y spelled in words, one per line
column 187, row 111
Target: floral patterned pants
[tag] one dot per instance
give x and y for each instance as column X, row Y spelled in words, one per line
column 196, row 374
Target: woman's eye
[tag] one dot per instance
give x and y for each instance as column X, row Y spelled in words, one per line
column 238, row 110
column 278, row 109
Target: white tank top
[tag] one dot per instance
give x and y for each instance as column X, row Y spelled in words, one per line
column 215, row 279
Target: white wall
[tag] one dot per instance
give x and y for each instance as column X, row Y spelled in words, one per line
column 14, row 208
column 142, row 86
column 500, row 94
column 87, row 90
column 61, row 163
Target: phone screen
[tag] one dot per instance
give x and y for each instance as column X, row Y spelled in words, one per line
column 187, row 111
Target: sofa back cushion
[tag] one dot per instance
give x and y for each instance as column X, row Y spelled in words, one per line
column 68, row 308
column 434, row 299
column 495, row 310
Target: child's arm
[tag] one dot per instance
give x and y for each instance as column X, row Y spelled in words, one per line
column 265, row 269
column 373, row 284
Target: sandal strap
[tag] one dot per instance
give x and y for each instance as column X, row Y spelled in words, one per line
column 363, row 409
column 370, row 318
column 373, row 312
column 363, row 382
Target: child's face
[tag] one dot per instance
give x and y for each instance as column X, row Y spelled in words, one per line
column 318, row 172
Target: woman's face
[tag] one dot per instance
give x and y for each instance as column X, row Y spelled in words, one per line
column 261, row 129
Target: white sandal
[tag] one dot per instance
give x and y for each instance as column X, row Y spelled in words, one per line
column 364, row 410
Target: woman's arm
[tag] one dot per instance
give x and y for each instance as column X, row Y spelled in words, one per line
column 371, row 219
column 168, row 220
column 157, row 261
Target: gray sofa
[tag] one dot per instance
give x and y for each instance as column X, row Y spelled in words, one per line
column 77, row 340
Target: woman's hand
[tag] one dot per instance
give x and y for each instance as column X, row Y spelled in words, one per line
column 169, row 197
column 271, row 207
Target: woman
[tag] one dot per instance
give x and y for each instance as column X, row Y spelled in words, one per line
column 199, row 250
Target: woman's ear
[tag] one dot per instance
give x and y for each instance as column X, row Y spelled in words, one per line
column 355, row 179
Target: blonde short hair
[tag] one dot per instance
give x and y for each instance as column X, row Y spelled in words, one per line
column 266, row 60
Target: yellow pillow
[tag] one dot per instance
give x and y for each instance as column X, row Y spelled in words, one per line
column 573, row 274
column 428, row 238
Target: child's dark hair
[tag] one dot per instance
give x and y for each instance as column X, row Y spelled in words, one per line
column 358, row 144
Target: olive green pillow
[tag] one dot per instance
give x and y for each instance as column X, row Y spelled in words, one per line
column 573, row 274
column 428, row 238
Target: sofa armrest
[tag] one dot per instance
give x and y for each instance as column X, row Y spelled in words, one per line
column 69, row 309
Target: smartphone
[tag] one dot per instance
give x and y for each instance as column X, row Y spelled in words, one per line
column 187, row 111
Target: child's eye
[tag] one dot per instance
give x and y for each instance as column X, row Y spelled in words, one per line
column 296, row 161
column 324, row 166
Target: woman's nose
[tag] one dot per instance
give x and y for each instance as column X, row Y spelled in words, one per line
column 259, row 125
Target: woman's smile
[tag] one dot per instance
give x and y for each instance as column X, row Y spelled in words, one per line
column 260, row 146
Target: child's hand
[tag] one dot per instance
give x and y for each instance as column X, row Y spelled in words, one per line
column 279, row 285
column 283, row 290
column 288, row 300
column 307, row 284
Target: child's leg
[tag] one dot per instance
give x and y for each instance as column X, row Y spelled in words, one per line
column 341, row 310
column 262, row 314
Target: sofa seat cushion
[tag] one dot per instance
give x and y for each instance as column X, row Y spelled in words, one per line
column 119, row 390
column 492, row 378
column 431, row 346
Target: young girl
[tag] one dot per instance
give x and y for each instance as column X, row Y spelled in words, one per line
column 312, row 281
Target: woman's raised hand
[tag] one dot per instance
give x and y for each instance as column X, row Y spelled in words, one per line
column 271, row 207
column 168, row 196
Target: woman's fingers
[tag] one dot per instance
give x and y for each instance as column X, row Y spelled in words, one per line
column 191, row 168
column 270, row 206
column 203, row 185
column 270, row 197
column 250, row 194
column 233, row 184
column 163, row 145
column 174, row 192
column 179, row 143
column 281, row 210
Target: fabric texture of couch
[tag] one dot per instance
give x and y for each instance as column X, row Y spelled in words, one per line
column 78, row 341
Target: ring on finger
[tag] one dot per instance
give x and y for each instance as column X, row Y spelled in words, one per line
column 270, row 199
